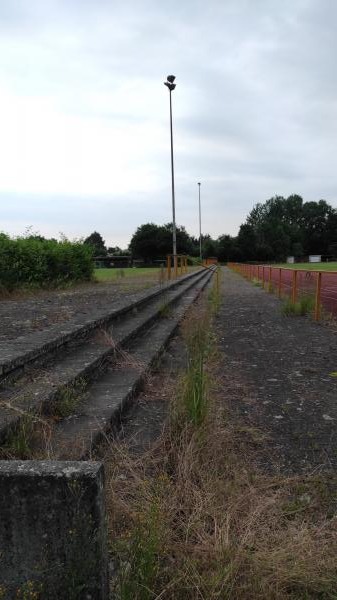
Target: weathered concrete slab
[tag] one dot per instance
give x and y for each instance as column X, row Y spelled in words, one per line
column 107, row 400
column 29, row 348
column 52, row 530
column 80, row 362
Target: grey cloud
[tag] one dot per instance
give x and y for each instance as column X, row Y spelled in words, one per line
column 255, row 108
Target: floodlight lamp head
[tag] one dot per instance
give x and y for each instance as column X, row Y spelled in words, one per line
column 170, row 86
column 171, row 78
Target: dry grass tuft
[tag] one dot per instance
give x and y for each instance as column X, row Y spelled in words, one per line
column 122, row 358
column 210, row 527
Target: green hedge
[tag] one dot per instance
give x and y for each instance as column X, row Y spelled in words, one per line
column 36, row 262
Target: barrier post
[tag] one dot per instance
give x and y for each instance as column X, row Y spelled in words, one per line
column 263, row 277
column 181, row 265
column 269, row 284
column 279, row 283
column 294, row 287
column 175, row 266
column 168, row 266
column 317, row 313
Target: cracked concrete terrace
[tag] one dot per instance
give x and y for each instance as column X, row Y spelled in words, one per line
column 23, row 314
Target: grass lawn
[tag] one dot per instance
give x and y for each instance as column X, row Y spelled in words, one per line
column 110, row 274
column 326, row 266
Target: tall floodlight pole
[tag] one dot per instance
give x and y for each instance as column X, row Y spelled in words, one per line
column 169, row 83
column 199, row 184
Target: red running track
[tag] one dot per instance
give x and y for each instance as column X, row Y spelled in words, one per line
column 282, row 281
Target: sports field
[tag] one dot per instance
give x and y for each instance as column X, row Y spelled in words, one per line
column 110, row 274
column 326, row 266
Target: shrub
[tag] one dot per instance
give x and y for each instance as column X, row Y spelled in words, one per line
column 33, row 262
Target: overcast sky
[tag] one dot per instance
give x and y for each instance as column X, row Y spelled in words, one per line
column 84, row 114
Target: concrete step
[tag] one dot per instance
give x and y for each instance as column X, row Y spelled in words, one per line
column 71, row 370
column 30, row 349
column 107, row 399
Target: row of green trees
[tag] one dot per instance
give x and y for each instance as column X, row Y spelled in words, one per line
column 286, row 226
column 151, row 242
column 33, row 261
column 272, row 231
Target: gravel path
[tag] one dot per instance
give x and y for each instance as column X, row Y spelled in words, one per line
column 43, row 310
column 278, row 376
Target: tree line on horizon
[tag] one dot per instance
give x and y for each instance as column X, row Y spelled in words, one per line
column 273, row 230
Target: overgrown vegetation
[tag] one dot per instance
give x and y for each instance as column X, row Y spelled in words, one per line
column 194, row 518
column 256, row 282
column 27, row 439
column 165, row 310
column 34, row 262
column 304, row 306
column 194, row 385
column 68, row 398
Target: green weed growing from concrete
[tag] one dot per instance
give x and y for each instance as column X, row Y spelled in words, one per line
column 27, row 438
column 194, row 388
column 164, row 310
column 140, row 571
column 68, row 398
column 197, row 333
column 20, row 439
column 304, row 306
column 256, row 282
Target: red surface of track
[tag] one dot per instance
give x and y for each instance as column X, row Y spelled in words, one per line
column 282, row 281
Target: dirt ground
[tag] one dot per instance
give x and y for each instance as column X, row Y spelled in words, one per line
column 277, row 376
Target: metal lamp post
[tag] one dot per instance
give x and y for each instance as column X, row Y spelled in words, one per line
column 171, row 86
column 199, row 184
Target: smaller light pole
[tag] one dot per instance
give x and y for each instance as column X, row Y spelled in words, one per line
column 199, row 184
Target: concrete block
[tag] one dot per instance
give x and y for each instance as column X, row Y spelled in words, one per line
column 52, row 531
